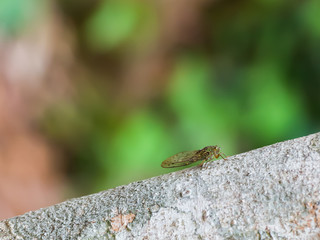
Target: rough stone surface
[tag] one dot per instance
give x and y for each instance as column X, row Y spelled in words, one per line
column 268, row 193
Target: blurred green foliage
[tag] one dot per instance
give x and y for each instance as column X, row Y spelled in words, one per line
column 15, row 15
column 118, row 23
column 252, row 80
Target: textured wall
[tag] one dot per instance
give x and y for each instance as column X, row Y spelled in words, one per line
column 271, row 192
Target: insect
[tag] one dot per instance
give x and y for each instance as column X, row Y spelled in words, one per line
column 185, row 158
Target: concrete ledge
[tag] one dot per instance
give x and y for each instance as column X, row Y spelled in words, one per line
column 268, row 193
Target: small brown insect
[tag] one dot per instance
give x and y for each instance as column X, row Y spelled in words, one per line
column 185, row 158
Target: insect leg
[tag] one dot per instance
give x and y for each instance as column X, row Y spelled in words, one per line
column 200, row 165
column 223, row 156
column 205, row 161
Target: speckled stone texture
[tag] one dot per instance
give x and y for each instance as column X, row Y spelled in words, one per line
column 268, row 193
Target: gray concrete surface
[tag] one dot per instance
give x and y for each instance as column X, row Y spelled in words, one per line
column 268, row 193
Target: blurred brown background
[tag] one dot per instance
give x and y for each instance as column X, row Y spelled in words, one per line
column 95, row 94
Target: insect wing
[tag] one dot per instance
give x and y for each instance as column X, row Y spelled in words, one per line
column 180, row 159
